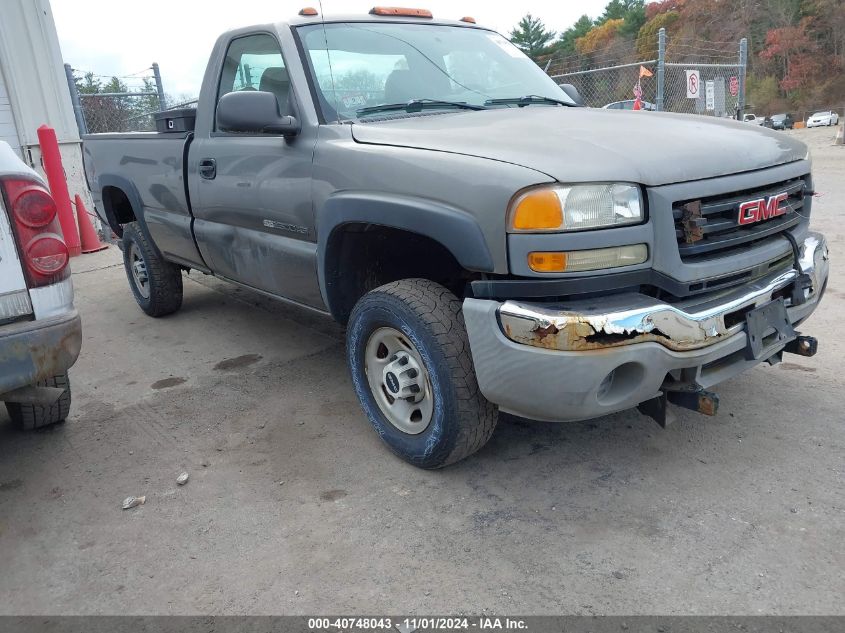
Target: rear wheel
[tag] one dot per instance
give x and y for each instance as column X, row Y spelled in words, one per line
column 36, row 416
column 155, row 282
column 412, row 370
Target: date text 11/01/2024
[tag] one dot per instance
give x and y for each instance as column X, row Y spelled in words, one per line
column 407, row 625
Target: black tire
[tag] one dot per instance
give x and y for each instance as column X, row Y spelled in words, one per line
column 430, row 316
column 35, row 416
column 164, row 279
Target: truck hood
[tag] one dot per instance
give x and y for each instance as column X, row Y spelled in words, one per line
column 586, row 144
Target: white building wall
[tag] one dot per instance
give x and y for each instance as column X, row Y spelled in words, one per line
column 36, row 85
column 8, row 129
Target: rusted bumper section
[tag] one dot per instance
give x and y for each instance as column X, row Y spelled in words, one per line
column 627, row 319
column 31, row 351
column 612, row 353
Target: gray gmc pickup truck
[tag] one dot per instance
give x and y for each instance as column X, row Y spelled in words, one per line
column 489, row 244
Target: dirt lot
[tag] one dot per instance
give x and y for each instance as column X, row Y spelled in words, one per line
column 293, row 505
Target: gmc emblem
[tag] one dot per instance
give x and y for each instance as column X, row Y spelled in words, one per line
column 753, row 211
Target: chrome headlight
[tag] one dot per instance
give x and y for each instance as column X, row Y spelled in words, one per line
column 556, row 208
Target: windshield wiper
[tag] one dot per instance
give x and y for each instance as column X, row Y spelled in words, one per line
column 528, row 100
column 417, row 105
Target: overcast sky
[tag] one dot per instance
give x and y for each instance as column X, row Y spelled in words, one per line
column 116, row 37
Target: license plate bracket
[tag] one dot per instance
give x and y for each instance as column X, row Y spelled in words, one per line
column 769, row 329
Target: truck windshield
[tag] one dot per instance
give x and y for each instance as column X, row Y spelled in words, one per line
column 358, row 66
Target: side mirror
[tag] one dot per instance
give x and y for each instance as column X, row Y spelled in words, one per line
column 254, row 111
column 572, row 92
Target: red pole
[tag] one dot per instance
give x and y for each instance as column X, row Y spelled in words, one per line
column 52, row 161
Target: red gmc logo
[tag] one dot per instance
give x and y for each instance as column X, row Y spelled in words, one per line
column 753, row 211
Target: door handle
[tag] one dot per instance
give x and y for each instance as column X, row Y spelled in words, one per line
column 208, row 168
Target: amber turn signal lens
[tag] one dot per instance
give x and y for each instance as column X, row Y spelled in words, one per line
column 590, row 259
column 542, row 262
column 538, row 210
column 408, row 13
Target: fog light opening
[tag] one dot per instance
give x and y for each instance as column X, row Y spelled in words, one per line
column 620, row 383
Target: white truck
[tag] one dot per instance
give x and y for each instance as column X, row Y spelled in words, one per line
column 40, row 331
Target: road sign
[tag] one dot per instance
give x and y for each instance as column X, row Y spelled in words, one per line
column 734, row 86
column 693, row 84
column 710, row 95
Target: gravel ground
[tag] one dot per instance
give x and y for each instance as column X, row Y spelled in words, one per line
column 293, row 506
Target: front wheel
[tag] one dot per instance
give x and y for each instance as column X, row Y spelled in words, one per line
column 412, row 370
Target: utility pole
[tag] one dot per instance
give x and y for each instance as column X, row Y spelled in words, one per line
column 74, row 99
column 661, row 68
column 162, row 104
column 743, row 63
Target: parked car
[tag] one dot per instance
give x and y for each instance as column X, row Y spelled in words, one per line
column 628, row 104
column 489, row 245
column 753, row 118
column 40, row 331
column 828, row 117
column 780, row 122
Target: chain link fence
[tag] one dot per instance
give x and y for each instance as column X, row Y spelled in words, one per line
column 117, row 113
column 693, row 76
column 613, row 85
column 116, row 107
column 689, row 76
column 702, row 88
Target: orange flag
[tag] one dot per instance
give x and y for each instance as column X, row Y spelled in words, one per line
column 645, row 72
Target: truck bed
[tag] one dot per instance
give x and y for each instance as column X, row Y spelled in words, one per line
column 149, row 166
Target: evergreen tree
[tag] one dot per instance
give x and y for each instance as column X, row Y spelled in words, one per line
column 531, row 36
column 566, row 43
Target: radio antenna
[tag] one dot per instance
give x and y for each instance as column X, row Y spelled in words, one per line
column 329, row 59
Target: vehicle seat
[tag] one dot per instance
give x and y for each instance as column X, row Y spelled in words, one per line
column 275, row 79
column 403, row 85
column 400, row 86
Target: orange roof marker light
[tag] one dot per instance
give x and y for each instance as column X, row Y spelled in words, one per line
column 468, row 19
column 399, row 11
column 309, row 12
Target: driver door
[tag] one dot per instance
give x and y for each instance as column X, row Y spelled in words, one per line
column 254, row 217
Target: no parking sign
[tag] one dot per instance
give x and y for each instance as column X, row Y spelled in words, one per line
column 693, row 84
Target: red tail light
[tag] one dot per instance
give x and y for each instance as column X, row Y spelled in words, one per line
column 35, row 221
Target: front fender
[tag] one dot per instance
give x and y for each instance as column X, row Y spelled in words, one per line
column 455, row 229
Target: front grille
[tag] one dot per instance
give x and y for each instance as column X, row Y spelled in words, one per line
column 709, row 227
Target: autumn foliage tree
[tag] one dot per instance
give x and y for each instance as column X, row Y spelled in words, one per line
column 796, row 47
column 796, row 53
column 598, row 37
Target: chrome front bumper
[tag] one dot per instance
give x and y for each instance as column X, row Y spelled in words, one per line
column 627, row 319
column 590, row 358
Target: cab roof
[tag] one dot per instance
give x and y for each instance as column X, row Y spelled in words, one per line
column 302, row 20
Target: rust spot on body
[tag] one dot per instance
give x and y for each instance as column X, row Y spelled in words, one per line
column 707, row 405
column 543, row 332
